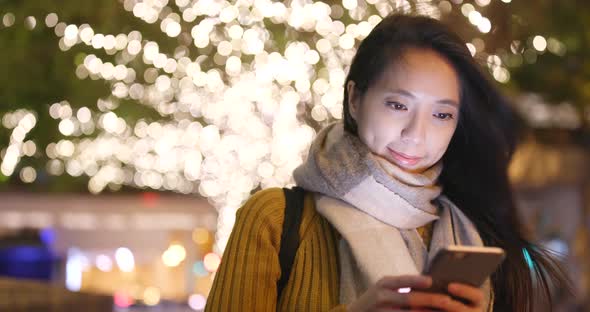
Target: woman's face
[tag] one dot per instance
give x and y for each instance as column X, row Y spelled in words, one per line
column 410, row 113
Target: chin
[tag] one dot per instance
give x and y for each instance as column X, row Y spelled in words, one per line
column 415, row 168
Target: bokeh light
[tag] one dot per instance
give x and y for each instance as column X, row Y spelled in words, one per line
column 174, row 255
column 123, row 300
column 201, row 236
column 104, row 263
column 540, row 43
column 125, row 260
column 197, row 302
column 199, row 269
column 8, row 19
column 151, row 296
column 212, row 262
column 28, row 174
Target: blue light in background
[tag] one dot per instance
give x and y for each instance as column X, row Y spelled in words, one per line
column 47, row 236
column 199, row 269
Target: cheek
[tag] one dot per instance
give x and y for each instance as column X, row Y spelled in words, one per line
column 439, row 142
column 387, row 128
column 379, row 132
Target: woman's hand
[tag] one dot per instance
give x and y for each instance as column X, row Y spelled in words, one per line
column 402, row 293
column 472, row 295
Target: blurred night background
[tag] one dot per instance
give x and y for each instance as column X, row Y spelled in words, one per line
column 131, row 131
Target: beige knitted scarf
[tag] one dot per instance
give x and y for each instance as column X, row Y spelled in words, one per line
column 376, row 207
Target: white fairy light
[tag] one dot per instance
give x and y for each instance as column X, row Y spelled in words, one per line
column 121, row 41
column 51, row 20
column 29, row 148
column 471, row 48
column 30, row 22
column 86, row 35
column 134, row 47
column 173, row 29
column 120, row 72
column 482, row 3
column 71, row 32
column 84, row 114
column 109, row 42
column 556, row 47
column 346, row 42
column 66, row 127
column 540, row 43
column 350, row 4
column 28, row 174
column 474, row 17
column 501, row 74
column 484, row 25
column 24, row 122
column 467, row 8
column 98, row 41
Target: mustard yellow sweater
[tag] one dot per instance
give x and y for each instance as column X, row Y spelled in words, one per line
column 249, row 270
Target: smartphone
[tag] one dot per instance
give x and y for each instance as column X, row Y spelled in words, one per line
column 463, row 264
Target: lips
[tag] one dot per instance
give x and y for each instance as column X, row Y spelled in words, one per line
column 403, row 158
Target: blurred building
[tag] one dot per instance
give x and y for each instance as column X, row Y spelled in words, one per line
column 139, row 249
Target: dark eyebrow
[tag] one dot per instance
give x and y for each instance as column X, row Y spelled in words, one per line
column 409, row 94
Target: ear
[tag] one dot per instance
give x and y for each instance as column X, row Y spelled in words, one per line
column 353, row 99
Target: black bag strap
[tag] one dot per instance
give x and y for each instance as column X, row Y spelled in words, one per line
column 290, row 235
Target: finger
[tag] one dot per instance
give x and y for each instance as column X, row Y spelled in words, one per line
column 393, row 309
column 456, row 306
column 405, row 281
column 472, row 294
column 412, row 300
column 422, row 300
column 403, row 310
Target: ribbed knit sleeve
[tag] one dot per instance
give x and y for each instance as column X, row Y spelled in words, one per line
column 247, row 277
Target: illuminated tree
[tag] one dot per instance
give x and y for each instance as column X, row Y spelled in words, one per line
column 210, row 97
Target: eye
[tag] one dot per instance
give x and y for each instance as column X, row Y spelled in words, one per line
column 444, row 116
column 397, row 106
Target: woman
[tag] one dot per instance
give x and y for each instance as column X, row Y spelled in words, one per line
column 419, row 162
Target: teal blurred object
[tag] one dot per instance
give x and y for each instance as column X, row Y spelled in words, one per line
column 528, row 258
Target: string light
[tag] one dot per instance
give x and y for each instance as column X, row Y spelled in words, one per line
column 540, row 43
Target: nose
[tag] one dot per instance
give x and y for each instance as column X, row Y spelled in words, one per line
column 414, row 132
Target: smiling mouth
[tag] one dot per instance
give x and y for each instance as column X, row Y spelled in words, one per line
column 403, row 158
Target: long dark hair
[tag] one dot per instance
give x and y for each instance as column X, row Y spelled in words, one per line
column 475, row 172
